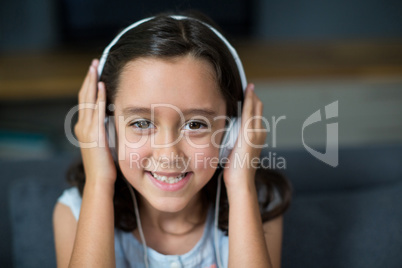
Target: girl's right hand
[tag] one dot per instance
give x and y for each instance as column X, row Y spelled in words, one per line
column 90, row 130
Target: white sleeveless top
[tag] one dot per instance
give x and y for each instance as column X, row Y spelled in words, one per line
column 129, row 252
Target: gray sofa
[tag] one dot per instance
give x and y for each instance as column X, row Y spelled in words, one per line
column 349, row 216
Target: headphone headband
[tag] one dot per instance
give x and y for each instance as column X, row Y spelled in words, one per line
column 105, row 53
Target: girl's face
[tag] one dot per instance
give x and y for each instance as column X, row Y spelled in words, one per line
column 170, row 118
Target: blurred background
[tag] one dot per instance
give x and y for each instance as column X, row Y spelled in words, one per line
column 301, row 54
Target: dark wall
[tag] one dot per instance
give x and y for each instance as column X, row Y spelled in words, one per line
column 44, row 24
column 103, row 18
column 28, row 24
column 323, row 20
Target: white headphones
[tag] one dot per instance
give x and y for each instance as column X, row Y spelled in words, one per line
column 233, row 129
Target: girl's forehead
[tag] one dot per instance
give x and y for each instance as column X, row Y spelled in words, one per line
column 185, row 82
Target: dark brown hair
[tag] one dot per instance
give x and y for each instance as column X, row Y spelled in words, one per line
column 166, row 38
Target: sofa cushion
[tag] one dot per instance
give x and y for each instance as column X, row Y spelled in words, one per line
column 25, row 187
column 354, row 228
column 358, row 167
column 31, row 205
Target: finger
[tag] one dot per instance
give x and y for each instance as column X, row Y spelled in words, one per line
column 90, row 96
column 84, row 87
column 246, row 114
column 248, row 101
column 82, row 93
column 91, row 91
column 100, row 112
column 258, row 113
column 258, row 124
column 101, row 101
column 248, row 105
column 95, row 63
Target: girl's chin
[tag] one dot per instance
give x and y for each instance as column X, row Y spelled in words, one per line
column 168, row 204
column 162, row 203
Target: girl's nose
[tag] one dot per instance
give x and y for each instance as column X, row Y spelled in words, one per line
column 166, row 144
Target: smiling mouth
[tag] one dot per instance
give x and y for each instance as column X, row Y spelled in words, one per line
column 167, row 179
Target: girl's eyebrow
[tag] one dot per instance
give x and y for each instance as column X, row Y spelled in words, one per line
column 133, row 110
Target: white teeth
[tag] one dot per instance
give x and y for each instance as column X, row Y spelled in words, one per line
column 169, row 179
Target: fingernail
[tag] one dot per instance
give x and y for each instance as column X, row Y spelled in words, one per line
column 252, row 87
column 93, row 62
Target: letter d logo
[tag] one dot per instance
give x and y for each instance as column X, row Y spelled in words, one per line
column 330, row 156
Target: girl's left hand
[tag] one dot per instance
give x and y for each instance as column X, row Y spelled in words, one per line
column 240, row 169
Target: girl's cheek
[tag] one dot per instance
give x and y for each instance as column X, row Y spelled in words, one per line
column 135, row 158
column 205, row 158
column 132, row 147
column 203, row 150
column 134, row 140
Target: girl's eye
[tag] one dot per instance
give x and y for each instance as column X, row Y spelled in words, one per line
column 141, row 124
column 194, row 125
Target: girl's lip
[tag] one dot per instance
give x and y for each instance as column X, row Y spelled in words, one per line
column 176, row 174
column 171, row 187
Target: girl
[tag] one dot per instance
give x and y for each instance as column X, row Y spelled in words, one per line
column 168, row 88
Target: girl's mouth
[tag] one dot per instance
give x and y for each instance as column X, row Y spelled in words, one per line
column 168, row 183
column 170, row 180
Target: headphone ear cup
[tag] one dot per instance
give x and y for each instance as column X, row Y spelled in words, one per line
column 230, row 138
column 111, row 136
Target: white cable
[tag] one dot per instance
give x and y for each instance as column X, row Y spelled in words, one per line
column 216, row 228
column 137, row 216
